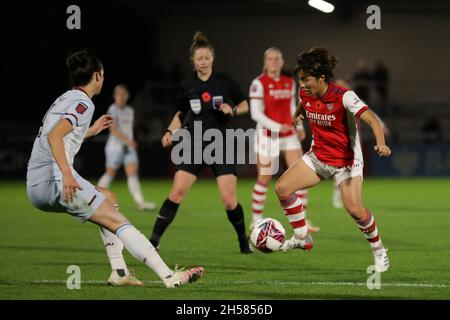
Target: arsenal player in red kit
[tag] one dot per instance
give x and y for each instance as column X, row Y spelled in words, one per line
column 272, row 105
column 335, row 151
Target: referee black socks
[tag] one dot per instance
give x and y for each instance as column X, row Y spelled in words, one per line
column 236, row 217
column 163, row 220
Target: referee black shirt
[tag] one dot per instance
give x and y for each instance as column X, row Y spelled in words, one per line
column 202, row 98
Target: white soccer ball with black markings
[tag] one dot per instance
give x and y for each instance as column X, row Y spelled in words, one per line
column 268, row 235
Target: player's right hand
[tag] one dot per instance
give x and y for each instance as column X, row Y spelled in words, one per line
column 70, row 186
column 166, row 139
column 285, row 128
column 383, row 150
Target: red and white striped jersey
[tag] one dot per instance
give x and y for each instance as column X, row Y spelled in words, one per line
column 332, row 119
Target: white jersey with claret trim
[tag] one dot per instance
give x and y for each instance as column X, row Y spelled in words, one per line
column 124, row 118
column 75, row 106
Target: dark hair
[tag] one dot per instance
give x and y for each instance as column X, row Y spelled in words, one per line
column 82, row 65
column 200, row 41
column 316, row 62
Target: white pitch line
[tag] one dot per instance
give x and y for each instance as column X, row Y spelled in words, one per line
column 274, row 283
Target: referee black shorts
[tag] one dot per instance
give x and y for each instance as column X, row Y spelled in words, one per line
column 218, row 169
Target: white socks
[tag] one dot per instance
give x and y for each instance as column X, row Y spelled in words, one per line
column 135, row 189
column 139, row 246
column 114, row 248
column 105, row 181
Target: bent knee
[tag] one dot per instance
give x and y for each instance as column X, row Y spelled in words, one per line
column 282, row 190
column 177, row 195
column 109, row 195
column 229, row 202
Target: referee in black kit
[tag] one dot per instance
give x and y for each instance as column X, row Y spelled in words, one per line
column 210, row 99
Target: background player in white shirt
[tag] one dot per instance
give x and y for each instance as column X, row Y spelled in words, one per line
column 121, row 148
column 53, row 185
column 272, row 105
column 331, row 111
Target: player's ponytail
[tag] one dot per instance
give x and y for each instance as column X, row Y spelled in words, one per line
column 81, row 66
column 317, row 62
column 200, row 41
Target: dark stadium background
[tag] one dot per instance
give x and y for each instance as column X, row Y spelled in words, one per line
column 144, row 44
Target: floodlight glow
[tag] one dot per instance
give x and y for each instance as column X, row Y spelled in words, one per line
column 321, row 5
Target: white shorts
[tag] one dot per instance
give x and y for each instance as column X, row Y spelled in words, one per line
column 47, row 196
column 115, row 157
column 271, row 147
column 340, row 173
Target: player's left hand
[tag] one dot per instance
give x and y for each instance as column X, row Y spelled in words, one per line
column 102, row 123
column 382, row 150
column 226, row 108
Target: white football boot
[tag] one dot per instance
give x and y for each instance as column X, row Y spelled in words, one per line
column 146, row 205
column 306, row 243
column 181, row 277
column 127, row 280
column 381, row 259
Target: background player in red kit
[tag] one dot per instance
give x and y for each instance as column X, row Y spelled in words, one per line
column 272, row 105
column 335, row 151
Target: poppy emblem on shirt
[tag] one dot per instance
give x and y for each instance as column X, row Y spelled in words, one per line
column 81, row 108
column 206, row 97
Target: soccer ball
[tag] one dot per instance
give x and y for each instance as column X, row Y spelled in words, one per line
column 268, row 235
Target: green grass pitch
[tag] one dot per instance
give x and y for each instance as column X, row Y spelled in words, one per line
column 413, row 217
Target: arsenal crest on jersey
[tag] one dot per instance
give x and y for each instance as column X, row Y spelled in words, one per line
column 330, row 106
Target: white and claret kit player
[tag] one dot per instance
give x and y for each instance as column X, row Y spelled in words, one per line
column 121, row 148
column 53, row 185
column 335, row 151
column 272, row 105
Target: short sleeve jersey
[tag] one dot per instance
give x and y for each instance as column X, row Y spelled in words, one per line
column 124, row 118
column 203, row 99
column 332, row 121
column 277, row 96
column 75, row 106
